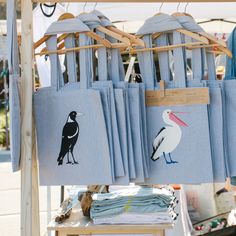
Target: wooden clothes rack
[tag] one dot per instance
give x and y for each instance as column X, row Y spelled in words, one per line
column 30, row 225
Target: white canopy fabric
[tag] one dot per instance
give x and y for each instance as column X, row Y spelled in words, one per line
column 130, row 16
column 140, row 11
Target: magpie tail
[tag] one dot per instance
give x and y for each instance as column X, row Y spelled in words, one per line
column 153, row 154
column 60, row 160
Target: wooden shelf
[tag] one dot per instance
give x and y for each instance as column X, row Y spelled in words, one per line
column 78, row 224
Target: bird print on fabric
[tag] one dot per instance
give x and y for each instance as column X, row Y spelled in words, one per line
column 169, row 137
column 70, row 134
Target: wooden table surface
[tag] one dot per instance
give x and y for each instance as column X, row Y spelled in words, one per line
column 78, row 224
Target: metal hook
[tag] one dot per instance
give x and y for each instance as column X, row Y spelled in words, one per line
column 95, row 6
column 178, row 7
column 84, row 6
column 185, row 9
column 161, row 6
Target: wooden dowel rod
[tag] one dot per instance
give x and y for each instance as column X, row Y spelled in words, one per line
column 189, row 46
column 96, row 46
column 162, row 48
column 203, row 46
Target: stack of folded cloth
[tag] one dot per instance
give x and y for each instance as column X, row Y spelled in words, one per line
column 136, row 205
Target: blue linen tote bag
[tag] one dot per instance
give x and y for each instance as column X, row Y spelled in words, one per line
column 229, row 88
column 109, row 104
column 120, row 103
column 72, row 140
column 199, row 60
column 134, row 106
column 178, row 136
column 14, row 76
column 107, row 69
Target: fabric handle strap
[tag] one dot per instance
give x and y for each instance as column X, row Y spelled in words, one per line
column 146, row 64
column 85, row 62
column 179, row 65
column 197, row 56
column 211, row 66
column 102, row 60
column 71, row 59
column 12, row 41
column 163, row 58
column 113, row 62
column 147, row 67
column 197, row 64
column 57, row 80
column 231, row 62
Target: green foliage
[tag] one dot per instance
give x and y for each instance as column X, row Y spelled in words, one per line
column 3, row 126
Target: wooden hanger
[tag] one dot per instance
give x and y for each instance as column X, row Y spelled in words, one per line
column 46, row 37
column 91, row 34
column 112, row 32
column 120, row 35
column 131, row 37
column 220, row 44
column 62, row 37
column 188, row 33
column 104, row 42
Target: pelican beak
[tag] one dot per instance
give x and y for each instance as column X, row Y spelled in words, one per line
column 176, row 119
column 79, row 114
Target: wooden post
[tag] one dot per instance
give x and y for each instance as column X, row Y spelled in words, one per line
column 29, row 177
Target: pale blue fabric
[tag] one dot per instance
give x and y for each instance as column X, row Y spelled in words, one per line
column 116, row 209
column 215, row 110
column 14, row 76
column 52, row 106
column 119, row 170
column 159, row 23
column 136, row 123
column 104, row 20
column 120, row 102
column 71, row 60
column 187, row 152
column 117, row 74
column 164, row 59
column 138, row 129
column 229, row 86
column 230, row 71
column 145, row 200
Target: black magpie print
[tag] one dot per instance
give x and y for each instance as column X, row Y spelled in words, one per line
column 70, row 136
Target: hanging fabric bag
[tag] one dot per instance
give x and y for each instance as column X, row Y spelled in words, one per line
column 116, row 72
column 71, row 131
column 178, row 135
column 107, row 69
column 106, row 87
column 229, row 88
column 14, row 76
column 200, row 58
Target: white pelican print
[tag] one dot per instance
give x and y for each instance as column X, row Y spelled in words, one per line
column 168, row 137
